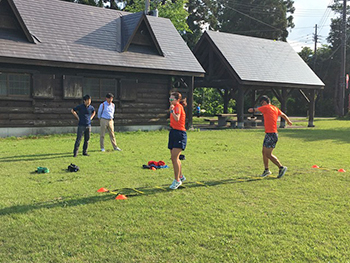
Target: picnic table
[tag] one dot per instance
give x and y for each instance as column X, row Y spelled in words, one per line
column 224, row 117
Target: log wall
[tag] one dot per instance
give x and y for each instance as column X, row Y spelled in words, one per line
column 140, row 99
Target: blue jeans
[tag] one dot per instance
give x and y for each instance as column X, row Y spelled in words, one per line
column 86, row 130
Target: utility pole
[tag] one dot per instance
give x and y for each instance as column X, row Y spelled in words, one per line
column 343, row 63
column 315, row 48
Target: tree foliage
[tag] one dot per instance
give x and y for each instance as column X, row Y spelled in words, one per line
column 260, row 18
column 211, row 101
column 174, row 10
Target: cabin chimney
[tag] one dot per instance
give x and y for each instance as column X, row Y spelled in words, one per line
column 146, row 7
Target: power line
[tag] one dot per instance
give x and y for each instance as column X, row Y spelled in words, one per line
column 326, row 15
column 251, row 17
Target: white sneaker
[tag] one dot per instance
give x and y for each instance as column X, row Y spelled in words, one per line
column 175, row 184
column 103, row 150
column 117, row 149
column 182, row 178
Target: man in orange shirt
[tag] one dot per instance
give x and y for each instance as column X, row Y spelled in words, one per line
column 271, row 114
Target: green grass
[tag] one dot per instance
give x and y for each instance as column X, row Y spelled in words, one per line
column 233, row 217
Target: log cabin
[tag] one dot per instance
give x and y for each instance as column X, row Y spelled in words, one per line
column 53, row 52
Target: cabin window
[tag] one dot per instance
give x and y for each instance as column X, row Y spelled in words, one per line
column 43, row 85
column 13, row 84
column 72, row 87
column 98, row 88
column 92, row 87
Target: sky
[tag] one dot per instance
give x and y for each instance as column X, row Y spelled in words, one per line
column 307, row 14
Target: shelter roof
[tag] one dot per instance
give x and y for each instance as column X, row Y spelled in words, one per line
column 257, row 61
column 74, row 35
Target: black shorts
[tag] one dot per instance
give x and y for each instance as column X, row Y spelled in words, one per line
column 177, row 139
column 270, row 140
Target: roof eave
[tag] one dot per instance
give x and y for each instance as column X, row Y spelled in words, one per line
column 73, row 65
column 280, row 85
column 21, row 22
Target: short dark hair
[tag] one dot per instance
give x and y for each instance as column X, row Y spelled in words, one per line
column 86, row 97
column 265, row 98
column 109, row 95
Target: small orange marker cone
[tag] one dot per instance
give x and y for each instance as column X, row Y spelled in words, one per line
column 341, row 170
column 315, row 166
column 153, row 168
column 102, row 190
column 121, row 197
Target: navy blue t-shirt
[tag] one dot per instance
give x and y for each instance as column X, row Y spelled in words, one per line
column 84, row 114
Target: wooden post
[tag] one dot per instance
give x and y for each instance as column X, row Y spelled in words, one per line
column 226, row 100
column 240, row 108
column 283, row 106
column 190, row 103
column 311, row 108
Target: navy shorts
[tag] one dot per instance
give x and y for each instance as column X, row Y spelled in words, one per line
column 177, row 139
column 270, row 140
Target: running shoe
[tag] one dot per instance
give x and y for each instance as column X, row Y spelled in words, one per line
column 175, row 184
column 182, row 178
column 282, row 171
column 117, row 149
column 266, row 173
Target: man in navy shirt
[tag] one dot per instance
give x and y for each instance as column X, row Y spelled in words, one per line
column 84, row 113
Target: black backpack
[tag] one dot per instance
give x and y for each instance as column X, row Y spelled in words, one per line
column 73, row 168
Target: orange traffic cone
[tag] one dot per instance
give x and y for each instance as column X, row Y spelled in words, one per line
column 102, row 190
column 341, row 170
column 315, row 166
column 121, row 197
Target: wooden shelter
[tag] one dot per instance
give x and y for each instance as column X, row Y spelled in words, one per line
column 239, row 66
column 53, row 52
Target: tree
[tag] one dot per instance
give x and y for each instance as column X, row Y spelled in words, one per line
column 210, row 101
column 334, row 39
column 260, row 18
column 174, row 10
column 326, row 68
column 202, row 14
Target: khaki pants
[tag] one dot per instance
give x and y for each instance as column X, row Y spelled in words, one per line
column 109, row 125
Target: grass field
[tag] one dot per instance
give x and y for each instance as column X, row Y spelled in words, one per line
column 224, row 213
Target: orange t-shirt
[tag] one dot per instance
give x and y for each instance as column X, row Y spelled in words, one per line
column 178, row 125
column 271, row 114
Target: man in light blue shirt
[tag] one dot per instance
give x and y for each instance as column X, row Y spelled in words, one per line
column 106, row 116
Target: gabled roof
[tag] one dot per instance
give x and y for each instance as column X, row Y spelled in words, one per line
column 13, row 17
column 130, row 23
column 136, row 26
column 82, row 36
column 257, row 61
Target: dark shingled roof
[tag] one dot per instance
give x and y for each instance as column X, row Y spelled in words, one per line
column 75, row 35
column 261, row 60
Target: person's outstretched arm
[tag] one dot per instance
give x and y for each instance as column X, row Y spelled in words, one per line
column 284, row 116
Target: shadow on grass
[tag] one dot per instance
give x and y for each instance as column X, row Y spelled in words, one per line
column 58, row 202
column 129, row 192
column 37, row 157
column 340, row 135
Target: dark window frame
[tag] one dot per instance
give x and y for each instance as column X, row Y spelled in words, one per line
column 102, row 93
column 7, row 85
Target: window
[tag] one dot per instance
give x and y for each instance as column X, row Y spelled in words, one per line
column 98, row 88
column 12, row 84
column 92, row 87
column 72, row 87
